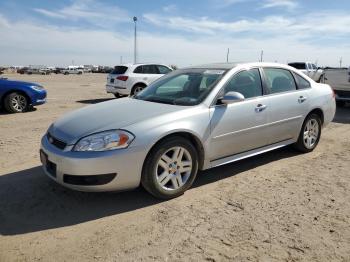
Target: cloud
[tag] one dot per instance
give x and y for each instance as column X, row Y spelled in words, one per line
column 170, row 8
column 88, row 10
column 332, row 24
column 281, row 39
column 289, row 4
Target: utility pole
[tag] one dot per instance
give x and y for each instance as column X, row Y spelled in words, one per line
column 340, row 62
column 228, row 52
column 135, row 35
column 261, row 55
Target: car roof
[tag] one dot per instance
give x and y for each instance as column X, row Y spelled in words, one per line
column 228, row 66
column 140, row 64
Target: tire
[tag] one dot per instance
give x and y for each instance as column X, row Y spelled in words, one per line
column 310, row 134
column 80, row 73
column 66, row 73
column 16, row 103
column 162, row 175
column 117, row 95
column 137, row 88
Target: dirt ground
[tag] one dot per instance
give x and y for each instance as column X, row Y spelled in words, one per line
column 279, row 206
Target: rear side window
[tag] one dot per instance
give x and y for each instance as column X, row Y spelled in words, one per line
column 302, row 83
column 248, row 83
column 119, row 70
column 163, row 69
column 300, row 66
column 150, row 69
column 279, row 80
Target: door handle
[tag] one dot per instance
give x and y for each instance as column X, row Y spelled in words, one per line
column 302, row 99
column 260, row 107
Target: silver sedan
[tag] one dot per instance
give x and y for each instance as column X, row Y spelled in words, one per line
column 191, row 119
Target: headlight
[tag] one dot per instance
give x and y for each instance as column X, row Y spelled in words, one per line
column 105, row 141
column 37, row 88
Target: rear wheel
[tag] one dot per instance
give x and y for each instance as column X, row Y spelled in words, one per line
column 310, row 134
column 117, row 95
column 137, row 89
column 170, row 168
column 16, row 103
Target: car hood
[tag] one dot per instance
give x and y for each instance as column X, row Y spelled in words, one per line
column 7, row 82
column 114, row 114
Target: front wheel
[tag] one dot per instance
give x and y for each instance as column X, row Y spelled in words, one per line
column 310, row 134
column 170, row 168
column 16, row 103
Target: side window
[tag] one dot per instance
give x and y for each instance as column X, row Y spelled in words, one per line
column 248, row 83
column 314, row 67
column 301, row 82
column 279, row 80
column 163, row 69
column 138, row 70
column 150, row 69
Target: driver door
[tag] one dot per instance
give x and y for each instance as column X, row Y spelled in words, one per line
column 240, row 126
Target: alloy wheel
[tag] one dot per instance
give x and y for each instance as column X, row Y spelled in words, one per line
column 19, row 102
column 174, row 168
column 138, row 89
column 311, row 133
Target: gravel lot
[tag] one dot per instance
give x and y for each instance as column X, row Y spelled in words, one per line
column 279, row 206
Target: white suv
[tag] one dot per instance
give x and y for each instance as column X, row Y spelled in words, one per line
column 129, row 79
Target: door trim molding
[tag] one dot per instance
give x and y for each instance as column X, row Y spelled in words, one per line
column 253, row 152
column 260, row 126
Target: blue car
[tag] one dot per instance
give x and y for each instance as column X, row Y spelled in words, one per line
column 19, row 96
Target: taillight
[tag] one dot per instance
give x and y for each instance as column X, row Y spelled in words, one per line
column 122, row 78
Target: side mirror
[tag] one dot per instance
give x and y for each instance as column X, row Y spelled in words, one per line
column 231, row 97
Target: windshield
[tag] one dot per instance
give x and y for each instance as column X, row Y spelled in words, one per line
column 182, row 87
column 119, row 70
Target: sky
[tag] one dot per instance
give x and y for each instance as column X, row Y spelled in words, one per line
column 183, row 32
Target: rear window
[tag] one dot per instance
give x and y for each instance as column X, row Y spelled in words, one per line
column 119, row 70
column 299, row 66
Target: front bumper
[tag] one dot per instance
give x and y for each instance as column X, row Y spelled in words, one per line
column 117, row 90
column 67, row 167
column 38, row 97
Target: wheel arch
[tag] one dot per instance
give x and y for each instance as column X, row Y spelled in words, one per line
column 195, row 141
column 317, row 111
column 2, row 99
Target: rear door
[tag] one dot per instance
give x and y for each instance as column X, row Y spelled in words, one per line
column 150, row 73
column 239, row 127
column 287, row 104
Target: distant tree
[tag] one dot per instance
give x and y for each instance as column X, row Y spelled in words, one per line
column 174, row 67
